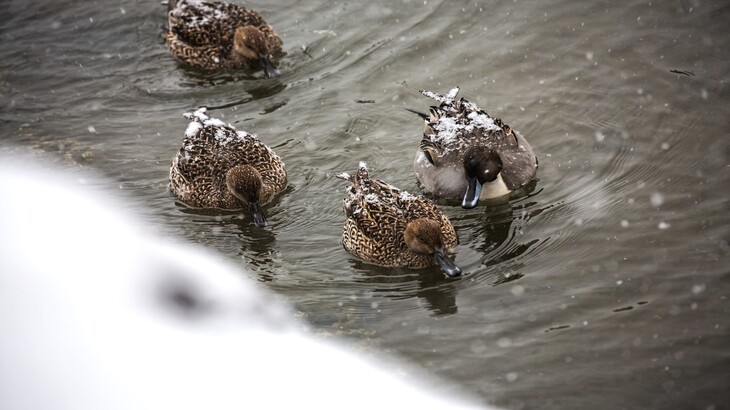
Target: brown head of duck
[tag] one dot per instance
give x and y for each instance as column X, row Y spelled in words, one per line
column 244, row 182
column 424, row 236
column 250, row 43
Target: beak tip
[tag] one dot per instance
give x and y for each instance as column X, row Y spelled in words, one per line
column 448, row 267
column 469, row 204
column 269, row 68
column 453, row 273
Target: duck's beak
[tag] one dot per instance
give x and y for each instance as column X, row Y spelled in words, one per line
column 257, row 213
column 473, row 190
column 446, row 265
column 269, row 68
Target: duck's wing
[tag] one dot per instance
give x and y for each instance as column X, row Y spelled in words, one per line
column 358, row 243
column 372, row 208
column 207, row 56
column 378, row 218
column 520, row 162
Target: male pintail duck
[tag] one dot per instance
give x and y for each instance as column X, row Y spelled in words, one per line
column 466, row 154
column 390, row 227
column 219, row 167
column 216, row 35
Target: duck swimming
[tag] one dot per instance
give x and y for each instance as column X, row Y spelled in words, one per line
column 217, row 35
column 219, row 167
column 466, row 154
column 390, row 227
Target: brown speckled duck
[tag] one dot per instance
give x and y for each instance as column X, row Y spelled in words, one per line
column 390, row 227
column 219, row 167
column 217, row 35
column 466, row 154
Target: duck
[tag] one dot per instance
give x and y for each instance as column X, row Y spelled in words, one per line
column 467, row 154
column 220, row 167
column 217, row 36
column 390, row 227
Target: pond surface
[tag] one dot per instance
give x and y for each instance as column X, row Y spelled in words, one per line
column 605, row 287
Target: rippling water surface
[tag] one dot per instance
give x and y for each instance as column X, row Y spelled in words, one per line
column 606, row 286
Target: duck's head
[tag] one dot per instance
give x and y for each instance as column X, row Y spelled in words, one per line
column 244, row 182
column 481, row 165
column 423, row 236
column 250, row 42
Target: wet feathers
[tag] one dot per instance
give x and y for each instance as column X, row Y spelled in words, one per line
column 210, row 148
column 377, row 215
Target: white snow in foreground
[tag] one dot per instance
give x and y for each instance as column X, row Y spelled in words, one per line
column 97, row 313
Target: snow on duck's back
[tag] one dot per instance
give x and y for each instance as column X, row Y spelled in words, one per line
column 223, row 132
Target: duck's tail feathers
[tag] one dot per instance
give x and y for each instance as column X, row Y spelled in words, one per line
column 362, row 173
column 447, row 99
column 361, row 178
column 418, row 113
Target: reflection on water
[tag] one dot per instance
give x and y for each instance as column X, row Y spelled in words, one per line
column 258, row 248
column 496, row 235
column 430, row 285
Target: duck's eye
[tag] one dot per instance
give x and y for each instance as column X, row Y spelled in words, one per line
column 427, row 153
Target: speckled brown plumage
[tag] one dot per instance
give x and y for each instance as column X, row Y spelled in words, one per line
column 200, row 34
column 211, row 148
column 377, row 216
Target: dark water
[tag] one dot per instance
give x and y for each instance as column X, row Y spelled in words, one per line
column 606, row 287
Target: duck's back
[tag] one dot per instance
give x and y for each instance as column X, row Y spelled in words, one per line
column 210, row 23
